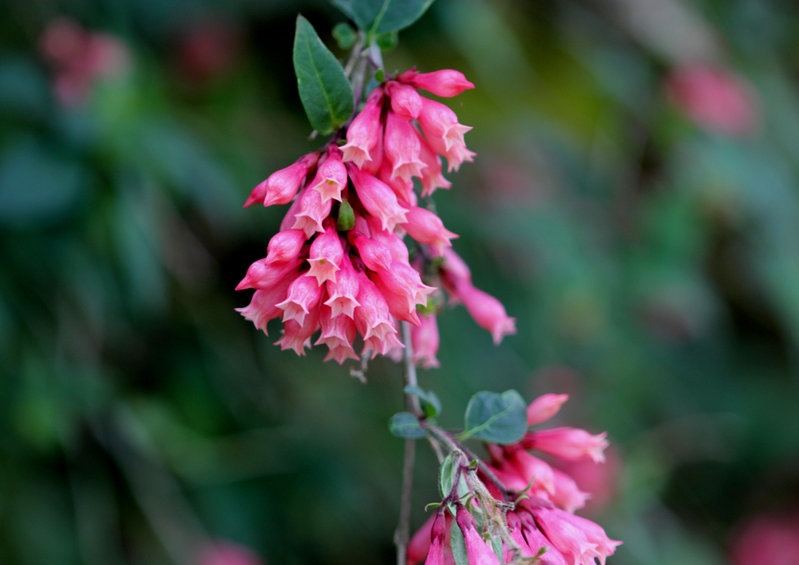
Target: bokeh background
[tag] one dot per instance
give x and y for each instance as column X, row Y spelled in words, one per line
column 634, row 203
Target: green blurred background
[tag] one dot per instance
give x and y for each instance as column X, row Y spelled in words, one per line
column 649, row 253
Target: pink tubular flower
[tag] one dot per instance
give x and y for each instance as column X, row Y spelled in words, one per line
column 343, row 291
column 281, row 186
column 262, row 307
column 378, row 199
column 568, row 443
column 338, row 334
column 374, row 254
column 296, row 336
column 326, row 256
column 487, row 311
column 364, row 132
column 432, row 177
column 443, row 132
column 331, row 176
column 478, row 552
column 264, row 275
column 544, row 407
column 311, row 212
column 419, row 544
column 285, row 246
column 373, row 320
column 406, row 102
column 445, row 83
column 403, row 289
column 425, row 340
column 440, row 552
column 401, row 145
column 426, row 227
column 304, row 295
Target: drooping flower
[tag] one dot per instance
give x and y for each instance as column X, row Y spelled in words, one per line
column 340, row 250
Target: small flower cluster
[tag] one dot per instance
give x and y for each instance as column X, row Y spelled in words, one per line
column 339, row 263
column 79, row 58
column 540, row 522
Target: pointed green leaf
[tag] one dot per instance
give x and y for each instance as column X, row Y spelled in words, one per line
column 325, row 92
column 498, row 418
column 457, row 544
column 383, row 16
column 405, row 425
column 448, row 473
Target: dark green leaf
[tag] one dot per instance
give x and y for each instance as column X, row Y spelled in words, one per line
column 405, row 424
column 431, row 405
column 383, row 16
column 346, row 216
column 325, row 92
column 498, row 418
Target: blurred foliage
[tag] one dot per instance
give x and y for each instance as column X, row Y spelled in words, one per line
column 652, row 264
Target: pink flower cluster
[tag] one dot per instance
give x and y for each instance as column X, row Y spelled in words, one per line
column 79, row 58
column 542, row 522
column 339, row 264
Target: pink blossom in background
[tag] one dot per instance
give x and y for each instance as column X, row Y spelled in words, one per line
column 227, row 553
column 715, row 99
column 766, row 539
column 206, row 49
column 79, row 58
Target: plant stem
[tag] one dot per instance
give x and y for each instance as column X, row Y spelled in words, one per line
column 402, row 533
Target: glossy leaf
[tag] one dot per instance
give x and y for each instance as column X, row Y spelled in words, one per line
column 405, row 425
column 325, row 92
column 383, row 16
column 496, row 417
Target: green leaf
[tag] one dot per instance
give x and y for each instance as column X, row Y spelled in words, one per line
column 346, row 216
column 498, row 418
column 448, row 473
column 431, row 405
column 457, row 544
column 344, row 35
column 383, row 16
column 325, row 92
column 405, row 425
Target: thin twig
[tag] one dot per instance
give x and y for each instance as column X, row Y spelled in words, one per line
column 402, row 533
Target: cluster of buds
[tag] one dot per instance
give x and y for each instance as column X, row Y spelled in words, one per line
column 340, row 264
column 536, row 504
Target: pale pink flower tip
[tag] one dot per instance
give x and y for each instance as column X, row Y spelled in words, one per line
column 445, row 83
column 544, row 407
column 569, row 443
column 487, row 311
